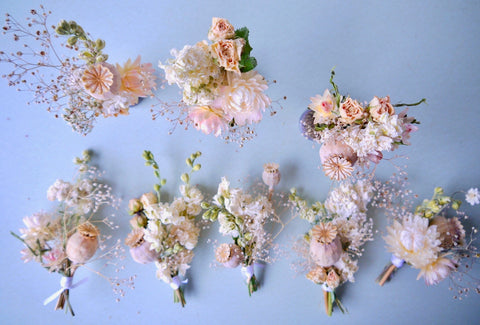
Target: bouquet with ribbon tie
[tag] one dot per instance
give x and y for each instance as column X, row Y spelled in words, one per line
column 68, row 238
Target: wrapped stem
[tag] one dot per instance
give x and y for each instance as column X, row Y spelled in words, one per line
column 386, row 274
column 330, row 298
column 179, row 297
column 65, row 294
column 252, row 285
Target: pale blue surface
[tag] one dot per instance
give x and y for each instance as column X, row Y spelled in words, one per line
column 405, row 49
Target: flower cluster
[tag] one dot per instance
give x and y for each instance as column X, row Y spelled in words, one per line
column 430, row 240
column 64, row 240
column 166, row 233
column 221, row 91
column 80, row 91
column 243, row 216
column 351, row 132
column 340, row 227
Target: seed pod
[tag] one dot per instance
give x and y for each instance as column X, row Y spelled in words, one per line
column 139, row 248
column 230, row 255
column 325, row 246
column 271, row 175
column 337, row 159
column 451, row 231
column 83, row 244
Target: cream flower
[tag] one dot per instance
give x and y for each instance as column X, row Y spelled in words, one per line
column 208, row 119
column 323, row 106
column 101, row 80
column 473, row 196
column 221, row 29
column 317, row 275
column 379, row 106
column 436, row 271
column 228, row 53
column 39, row 226
column 59, row 191
column 414, row 241
column 244, row 100
column 350, row 111
column 194, row 70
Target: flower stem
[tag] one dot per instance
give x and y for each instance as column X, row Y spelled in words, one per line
column 386, row 274
column 179, row 297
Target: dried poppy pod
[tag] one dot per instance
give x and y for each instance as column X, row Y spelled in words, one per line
column 337, row 159
column 139, row 248
column 451, row 231
column 83, row 244
column 271, row 175
column 325, row 246
column 101, row 80
column 230, row 255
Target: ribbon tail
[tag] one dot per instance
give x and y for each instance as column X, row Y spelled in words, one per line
column 53, row 296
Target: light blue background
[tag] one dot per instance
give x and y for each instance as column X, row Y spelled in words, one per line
column 405, row 49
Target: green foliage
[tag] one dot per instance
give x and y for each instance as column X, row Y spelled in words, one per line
column 247, row 62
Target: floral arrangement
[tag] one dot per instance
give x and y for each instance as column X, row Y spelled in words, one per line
column 433, row 240
column 351, row 133
column 222, row 94
column 242, row 216
column 67, row 239
column 339, row 228
column 166, row 233
column 79, row 88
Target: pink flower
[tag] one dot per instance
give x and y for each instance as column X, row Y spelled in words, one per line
column 207, row 119
column 323, row 106
column 137, row 79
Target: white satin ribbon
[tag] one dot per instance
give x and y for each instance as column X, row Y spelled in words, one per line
column 176, row 282
column 248, row 271
column 326, row 288
column 66, row 284
column 398, row 262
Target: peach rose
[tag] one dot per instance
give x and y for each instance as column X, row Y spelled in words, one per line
column 379, row 106
column 221, row 29
column 333, row 280
column 350, row 111
column 227, row 53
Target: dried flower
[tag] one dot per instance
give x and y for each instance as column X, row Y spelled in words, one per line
column 333, row 280
column 350, row 111
column 83, row 244
column 227, row 53
column 436, row 271
column 271, row 174
column 101, row 80
column 139, row 248
column 230, row 255
column 379, row 106
column 221, row 29
column 325, row 245
column 318, row 275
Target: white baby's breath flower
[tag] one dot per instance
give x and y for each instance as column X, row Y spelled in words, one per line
column 473, row 196
column 59, row 190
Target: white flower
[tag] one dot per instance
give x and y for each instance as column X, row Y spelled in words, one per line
column 59, row 190
column 323, row 106
column 39, row 226
column 194, row 70
column 414, row 241
column 347, row 267
column 193, row 198
column 154, row 234
column 186, row 233
column 117, row 104
column 227, row 226
column 243, row 99
column 437, row 270
column 473, row 196
column 349, row 199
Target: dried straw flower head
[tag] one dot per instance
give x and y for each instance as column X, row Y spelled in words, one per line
column 333, row 279
column 318, row 275
column 83, row 244
column 325, row 246
column 337, row 159
column 271, row 174
column 139, row 248
column 230, row 255
column 450, row 230
column 101, row 80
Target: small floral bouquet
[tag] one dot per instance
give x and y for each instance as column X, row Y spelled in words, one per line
column 66, row 239
column 350, row 132
column 243, row 216
column 339, row 229
column 166, row 233
column 222, row 94
column 433, row 240
column 79, row 88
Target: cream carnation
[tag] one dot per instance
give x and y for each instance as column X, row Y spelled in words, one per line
column 194, row 70
column 243, row 99
column 414, row 241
